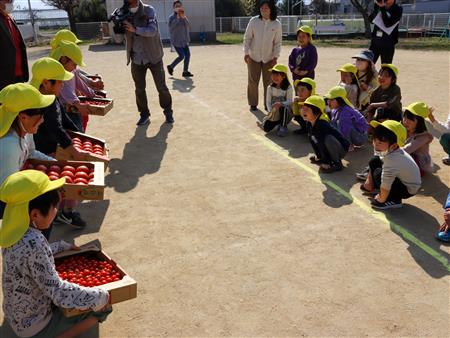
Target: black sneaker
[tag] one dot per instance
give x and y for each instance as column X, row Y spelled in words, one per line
column 187, row 74
column 386, row 205
column 170, row 69
column 169, row 117
column 75, row 219
column 253, row 108
column 144, row 120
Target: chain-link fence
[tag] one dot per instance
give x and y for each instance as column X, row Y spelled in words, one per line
column 425, row 24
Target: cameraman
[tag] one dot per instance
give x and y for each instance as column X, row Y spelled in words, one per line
column 383, row 44
column 144, row 49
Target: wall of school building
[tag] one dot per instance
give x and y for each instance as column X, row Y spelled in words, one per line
column 426, row 6
column 201, row 15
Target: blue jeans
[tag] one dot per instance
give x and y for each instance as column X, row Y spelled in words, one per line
column 183, row 54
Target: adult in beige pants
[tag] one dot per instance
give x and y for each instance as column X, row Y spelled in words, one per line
column 262, row 47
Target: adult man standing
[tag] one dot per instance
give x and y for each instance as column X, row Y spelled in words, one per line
column 144, row 50
column 387, row 15
column 13, row 55
column 262, row 47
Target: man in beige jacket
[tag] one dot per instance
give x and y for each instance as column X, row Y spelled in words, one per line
column 262, row 47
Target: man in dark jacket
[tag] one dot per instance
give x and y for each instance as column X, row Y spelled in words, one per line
column 13, row 56
column 383, row 44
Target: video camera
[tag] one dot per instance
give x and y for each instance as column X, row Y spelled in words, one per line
column 119, row 16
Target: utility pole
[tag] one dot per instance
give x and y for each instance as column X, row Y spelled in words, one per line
column 30, row 11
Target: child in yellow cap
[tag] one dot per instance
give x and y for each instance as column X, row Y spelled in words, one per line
column 329, row 145
column 278, row 101
column 70, row 56
column 304, row 89
column 303, row 59
column 386, row 100
column 349, row 82
column 418, row 138
column 393, row 173
column 31, row 286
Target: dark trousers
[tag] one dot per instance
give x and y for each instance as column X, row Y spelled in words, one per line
column 445, row 142
column 183, row 54
column 77, row 120
column 329, row 151
column 398, row 190
column 285, row 119
column 383, row 47
column 139, row 73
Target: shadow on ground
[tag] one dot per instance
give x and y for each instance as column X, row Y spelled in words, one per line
column 142, row 155
column 184, row 85
column 107, row 47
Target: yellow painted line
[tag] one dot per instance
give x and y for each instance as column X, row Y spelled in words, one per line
column 375, row 214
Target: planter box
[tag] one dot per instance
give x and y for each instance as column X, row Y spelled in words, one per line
column 97, row 106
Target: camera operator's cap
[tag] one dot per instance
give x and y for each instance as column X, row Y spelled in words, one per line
column 319, row 102
column 309, row 81
column 306, row 29
column 16, row 98
column 365, row 55
column 418, row 109
column 396, row 127
column 70, row 50
column 17, row 191
column 280, row 68
column 348, row 68
column 63, row 34
column 336, row 92
column 48, row 69
column 391, row 67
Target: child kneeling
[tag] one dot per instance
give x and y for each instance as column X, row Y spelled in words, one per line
column 392, row 170
column 328, row 143
column 31, row 284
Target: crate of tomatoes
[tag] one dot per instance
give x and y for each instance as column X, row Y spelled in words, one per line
column 97, row 148
column 91, row 267
column 84, row 180
column 97, row 105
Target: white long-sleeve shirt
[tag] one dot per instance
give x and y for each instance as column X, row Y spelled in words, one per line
column 262, row 39
column 31, row 284
column 275, row 94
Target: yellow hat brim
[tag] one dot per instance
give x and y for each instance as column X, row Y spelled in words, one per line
column 16, row 218
column 346, row 100
column 375, row 124
column 6, row 120
column 36, row 83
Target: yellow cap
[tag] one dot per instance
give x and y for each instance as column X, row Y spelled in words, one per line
column 70, row 50
column 48, row 69
column 336, row 92
column 319, row 102
column 390, row 66
column 17, row 191
column 63, row 34
column 419, row 109
column 309, row 81
column 16, row 98
column 348, row 68
column 280, row 68
column 396, row 127
column 306, row 29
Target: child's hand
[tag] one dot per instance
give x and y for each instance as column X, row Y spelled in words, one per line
column 277, row 105
column 364, row 87
column 303, row 72
column 296, row 99
column 430, row 114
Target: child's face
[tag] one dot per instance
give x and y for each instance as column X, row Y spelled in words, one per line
column 380, row 145
column 50, row 88
column 40, row 221
column 333, row 103
column 303, row 93
column 409, row 124
column 303, row 38
column 308, row 114
column 277, row 78
column 31, row 123
column 362, row 65
column 346, row 78
column 68, row 64
column 384, row 79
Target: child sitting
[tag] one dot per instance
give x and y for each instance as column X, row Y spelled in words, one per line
column 303, row 59
column 346, row 119
column 304, row 89
column 367, row 77
column 349, row 81
column 418, row 138
column 392, row 171
column 328, row 143
column 278, row 101
column 386, row 100
column 444, row 231
column 31, row 286
column 443, row 129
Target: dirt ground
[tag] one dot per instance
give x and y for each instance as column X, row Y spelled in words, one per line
column 230, row 232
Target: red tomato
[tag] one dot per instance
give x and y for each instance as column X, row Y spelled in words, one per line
column 81, row 174
column 69, row 168
column 30, row 166
column 41, row 167
column 55, row 168
column 83, row 168
column 53, row 177
column 53, row 173
column 76, row 139
column 68, row 174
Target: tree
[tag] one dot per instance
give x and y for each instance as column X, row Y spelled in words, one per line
column 291, row 7
column 91, row 11
column 319, row 6
column 68, row 6
column 250, row 6
column 363, row 6
column 226, row 8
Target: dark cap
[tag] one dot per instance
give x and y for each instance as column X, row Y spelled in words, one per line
column 365, row 55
